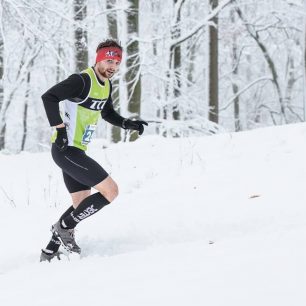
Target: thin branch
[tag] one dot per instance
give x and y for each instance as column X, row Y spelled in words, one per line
column 265, row 78
column 199, row 28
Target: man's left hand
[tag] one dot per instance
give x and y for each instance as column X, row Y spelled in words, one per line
column 137, row 125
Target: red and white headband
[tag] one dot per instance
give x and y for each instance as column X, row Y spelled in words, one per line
column 106, row 53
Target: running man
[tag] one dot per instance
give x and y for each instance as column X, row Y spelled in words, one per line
column 86, row 96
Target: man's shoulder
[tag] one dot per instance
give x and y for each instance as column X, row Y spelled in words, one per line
column 81, row 76
column 76, row 78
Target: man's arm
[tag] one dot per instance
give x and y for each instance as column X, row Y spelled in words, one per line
column 110, row 115
column 69, row 88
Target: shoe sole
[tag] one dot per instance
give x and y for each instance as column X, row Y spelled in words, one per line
column 45, row 257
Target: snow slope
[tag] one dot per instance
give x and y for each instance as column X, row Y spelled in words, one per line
column 212, row 221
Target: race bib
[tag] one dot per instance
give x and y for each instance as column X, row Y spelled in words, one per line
column 88, row 134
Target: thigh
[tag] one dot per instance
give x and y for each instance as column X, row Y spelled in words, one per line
column 80, row 167
column 73, row 185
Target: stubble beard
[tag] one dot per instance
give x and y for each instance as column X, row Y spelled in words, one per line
column 106, row 73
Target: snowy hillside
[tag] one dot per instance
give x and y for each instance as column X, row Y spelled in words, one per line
column 212, row 221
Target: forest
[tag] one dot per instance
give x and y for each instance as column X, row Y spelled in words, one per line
column 189, row 68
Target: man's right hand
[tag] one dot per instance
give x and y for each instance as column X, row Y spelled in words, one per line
column 61, row 140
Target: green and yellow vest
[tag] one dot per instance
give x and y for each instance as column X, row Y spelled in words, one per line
column 81, row 117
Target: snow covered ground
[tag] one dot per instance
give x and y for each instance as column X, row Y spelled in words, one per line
column 212, row 221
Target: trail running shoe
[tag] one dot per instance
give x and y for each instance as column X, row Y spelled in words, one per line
column 66, row 236
column 46, row 256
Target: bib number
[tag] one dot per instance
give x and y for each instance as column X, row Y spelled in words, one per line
column 88, row 134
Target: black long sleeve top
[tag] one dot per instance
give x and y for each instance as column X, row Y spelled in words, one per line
column 76, row 87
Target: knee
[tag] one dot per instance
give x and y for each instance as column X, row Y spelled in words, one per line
column 111, row 192
column 108, row 188
column 114, row 191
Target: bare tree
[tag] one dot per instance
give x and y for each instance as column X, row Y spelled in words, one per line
column 18, row 80
column 25, row 112
column 269, row 60
column 304, row 58
column 213, row 67
column 113, row 33
column 28, row 92
column 80, row 34
column 175, row 58
column 178, row 100
column 235, row 56
column 1, row 69
column 133, row 76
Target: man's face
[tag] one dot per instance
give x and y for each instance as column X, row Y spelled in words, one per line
column 107, row 68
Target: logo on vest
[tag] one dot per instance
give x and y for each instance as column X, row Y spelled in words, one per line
column 97, row 104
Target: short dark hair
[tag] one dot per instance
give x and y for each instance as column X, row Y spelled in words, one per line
column 109, row 43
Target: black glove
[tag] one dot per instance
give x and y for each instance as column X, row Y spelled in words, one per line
column 137, row 125
column 61, row 140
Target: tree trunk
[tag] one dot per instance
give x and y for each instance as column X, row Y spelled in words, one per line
column 304, row 43
column 213, row 88
column 2, row 135
column 113, row 33
column 25, row 111
column 176, row 58
column 1, row 71
column 235, row 75
column 155, row 8
column 80, row 34
column 191, row 67
column 58, row 64
column 2, row 131
column 132, row 76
